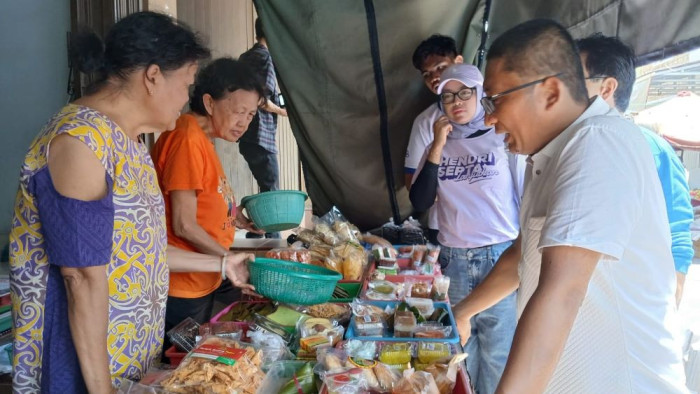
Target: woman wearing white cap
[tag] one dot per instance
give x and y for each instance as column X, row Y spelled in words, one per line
column 466, row 172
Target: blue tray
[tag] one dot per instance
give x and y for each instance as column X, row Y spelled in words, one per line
column 388, row 334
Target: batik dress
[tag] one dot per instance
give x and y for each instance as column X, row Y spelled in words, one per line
column 124, row 232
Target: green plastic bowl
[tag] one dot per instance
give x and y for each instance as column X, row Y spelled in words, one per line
column 277, row 210
column 293, row 283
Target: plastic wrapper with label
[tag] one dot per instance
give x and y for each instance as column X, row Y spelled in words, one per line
column 290, row 254
column 218, row 365
column 418, row 288
column 441, row 286
column 316, row 333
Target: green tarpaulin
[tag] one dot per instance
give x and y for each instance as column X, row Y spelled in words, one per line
column 344, row 67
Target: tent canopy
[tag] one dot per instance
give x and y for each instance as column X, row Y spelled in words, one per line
column 345, row 70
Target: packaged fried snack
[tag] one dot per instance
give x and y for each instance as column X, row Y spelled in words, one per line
column 353, row 260
column 387, row 377
column 339, row 312
column 290, row 254
column 446, row 375
column 327, row 234
column 307, row 236
column 346, row 231
column 414, row 382
column 218, row 365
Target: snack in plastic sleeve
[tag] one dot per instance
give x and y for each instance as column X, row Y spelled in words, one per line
column 432, row 330
column 441, row 286
column 273, row 346
column 386, row 376
column 446, row 375
column 225, row 329
column 302, row 382
column 404, row 324
column 361, row 349
column 326, row 233
column 394, row 353
column 316, row 333
column 419, row 288
column 290, row 254
column 413, row 382
column 432, row 254
column 337, row 312
column 346, row 382
column 218, row 365
column 331, row 360
column 417, row 257
column 307, row 236
column 352, row 260
column 346, row 231
column 383, row 290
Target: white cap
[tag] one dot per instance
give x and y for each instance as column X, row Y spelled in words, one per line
column 467, row 74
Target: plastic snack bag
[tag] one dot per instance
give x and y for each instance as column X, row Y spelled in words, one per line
column 218, row 365
column 446, row 375
column 351, row 381
column 386, row 376
column 414, row 382
column 298, row 255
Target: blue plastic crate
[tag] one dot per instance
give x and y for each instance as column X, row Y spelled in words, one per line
column 388, row 334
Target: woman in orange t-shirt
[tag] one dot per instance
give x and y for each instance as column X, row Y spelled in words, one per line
column 199, row 204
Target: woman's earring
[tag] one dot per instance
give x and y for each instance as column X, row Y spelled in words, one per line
column 150, row 93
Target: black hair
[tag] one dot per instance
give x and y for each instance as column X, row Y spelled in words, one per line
column 539, row 48
column 259, row 32
column 222, row 76
column 138, row 40
column 434, row 45
column 610, row 57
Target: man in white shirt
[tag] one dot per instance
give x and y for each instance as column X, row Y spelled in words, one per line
column 431, row 57
column 593, row 267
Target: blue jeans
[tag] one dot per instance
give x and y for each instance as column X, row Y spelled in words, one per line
column 493, row 329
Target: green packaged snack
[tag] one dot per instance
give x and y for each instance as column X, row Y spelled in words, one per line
column 432, row 352
column 303, row 381
column 395, row 353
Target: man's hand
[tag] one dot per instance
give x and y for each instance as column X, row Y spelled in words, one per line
column 244, row 223
column 237, row 271
column 283, row 112
column 441, row 129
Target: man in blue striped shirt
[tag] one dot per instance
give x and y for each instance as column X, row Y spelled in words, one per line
column 258, row 145
column 608, row 66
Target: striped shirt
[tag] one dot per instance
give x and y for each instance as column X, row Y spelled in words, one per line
column 263, row 128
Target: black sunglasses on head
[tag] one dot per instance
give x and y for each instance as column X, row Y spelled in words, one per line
column 488, row 101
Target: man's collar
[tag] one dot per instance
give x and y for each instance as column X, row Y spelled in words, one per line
column 597, row 106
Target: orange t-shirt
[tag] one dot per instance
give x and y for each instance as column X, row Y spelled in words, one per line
column 185, row 159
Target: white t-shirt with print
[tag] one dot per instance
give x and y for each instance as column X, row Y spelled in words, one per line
column 422, row 137
column 595, row 187
column 477, row 199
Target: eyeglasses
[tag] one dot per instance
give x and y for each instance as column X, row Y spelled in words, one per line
column 597, row 77
column 464, row 95
column 488, row 102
